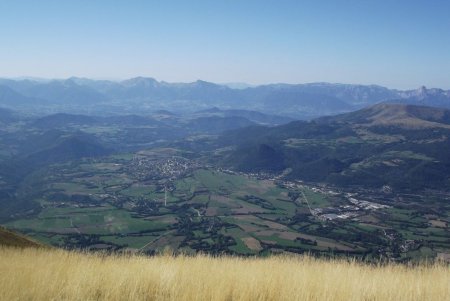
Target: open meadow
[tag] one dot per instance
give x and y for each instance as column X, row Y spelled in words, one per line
column 43, row 274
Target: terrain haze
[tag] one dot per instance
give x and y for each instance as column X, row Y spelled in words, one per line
column 398, row 44
column 145, row 95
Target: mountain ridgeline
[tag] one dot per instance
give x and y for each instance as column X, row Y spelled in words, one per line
column 143, row 95
column 403, row 146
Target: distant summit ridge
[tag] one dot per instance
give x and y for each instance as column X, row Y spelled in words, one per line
column 403, row 115
column 141, row 95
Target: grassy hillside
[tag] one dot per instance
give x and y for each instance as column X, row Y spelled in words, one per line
column 34, row 274
column 404, row 147
column 12, row 239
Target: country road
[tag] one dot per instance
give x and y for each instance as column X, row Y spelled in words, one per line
column 72, row 225
column 309, row 207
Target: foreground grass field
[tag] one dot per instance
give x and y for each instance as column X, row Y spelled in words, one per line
column 51, row 274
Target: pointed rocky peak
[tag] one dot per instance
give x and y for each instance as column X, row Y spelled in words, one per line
column 422, row 92
column 202, row 83
column 206, row 85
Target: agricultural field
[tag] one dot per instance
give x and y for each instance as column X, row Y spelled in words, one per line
column 155, row 200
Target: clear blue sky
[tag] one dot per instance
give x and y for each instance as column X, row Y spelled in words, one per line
column 399, row 44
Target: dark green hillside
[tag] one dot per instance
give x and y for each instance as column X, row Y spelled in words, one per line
column 69, row 148
column 63, row 120
column 255, row 157
column 216, row 124
column 254, row 116
column 398, row 145
column 35, row 152
column 7, row 116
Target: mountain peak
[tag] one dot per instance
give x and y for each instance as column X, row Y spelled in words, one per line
column 422, row 92
column 202, row 83
column 140, row 81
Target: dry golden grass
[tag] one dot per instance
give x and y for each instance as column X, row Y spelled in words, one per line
column 39, row 274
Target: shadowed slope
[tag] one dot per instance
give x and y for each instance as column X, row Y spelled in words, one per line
column 12, row 239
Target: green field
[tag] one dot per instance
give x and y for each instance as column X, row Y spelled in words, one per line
column 108, row 204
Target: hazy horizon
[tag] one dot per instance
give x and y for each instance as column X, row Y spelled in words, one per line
column 399, row 45
column 230, row 84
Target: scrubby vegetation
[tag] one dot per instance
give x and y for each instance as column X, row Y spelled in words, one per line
column 37, row 274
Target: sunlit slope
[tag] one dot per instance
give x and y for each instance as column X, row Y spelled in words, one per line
column 34, row 274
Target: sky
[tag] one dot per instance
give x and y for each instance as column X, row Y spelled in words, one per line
column 395, row 43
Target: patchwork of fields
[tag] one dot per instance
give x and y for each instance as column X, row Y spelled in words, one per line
column 119, row 202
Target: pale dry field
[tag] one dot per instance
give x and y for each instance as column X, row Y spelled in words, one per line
column 50, row 274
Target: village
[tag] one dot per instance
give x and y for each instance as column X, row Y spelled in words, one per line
column 171, row 168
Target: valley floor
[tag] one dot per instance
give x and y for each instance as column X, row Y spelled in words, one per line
column 43, row 274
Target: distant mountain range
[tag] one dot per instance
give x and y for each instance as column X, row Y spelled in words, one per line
column 142, row 95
